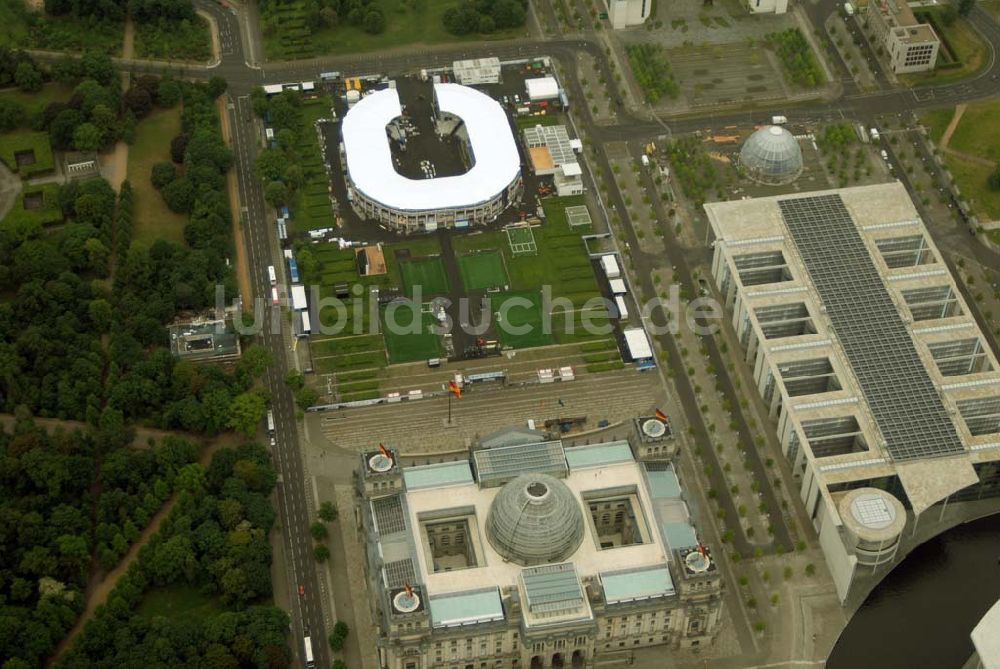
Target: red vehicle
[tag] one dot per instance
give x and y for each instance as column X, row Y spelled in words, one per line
column 302, row 589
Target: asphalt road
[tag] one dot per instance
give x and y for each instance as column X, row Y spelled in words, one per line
column 242, row 50
column 293, row 509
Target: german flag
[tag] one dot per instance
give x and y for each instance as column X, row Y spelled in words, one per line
column 660, row 416
column 454, row 389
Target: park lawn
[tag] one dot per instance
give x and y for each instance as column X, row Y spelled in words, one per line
column 482, row 270
column 178, row 601
column 49, row 213
column 174, row 40
column 15, row 142
column 407, row 23
column 515, row 315
column 405, row 345
column 153, row 219
column 936, row 121
column 425, row 273
column 978, row 133
column 34, row 103
column 971, row 180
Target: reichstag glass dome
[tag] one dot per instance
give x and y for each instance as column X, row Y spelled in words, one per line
column 535, row 519
column 772, row 156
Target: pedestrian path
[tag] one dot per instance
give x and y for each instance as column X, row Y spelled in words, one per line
column 419, row 426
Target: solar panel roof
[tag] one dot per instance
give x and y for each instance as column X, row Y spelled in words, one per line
column 903, row 400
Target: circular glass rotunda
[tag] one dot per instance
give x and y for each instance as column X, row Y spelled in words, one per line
column 772, row 156
column 535, row 519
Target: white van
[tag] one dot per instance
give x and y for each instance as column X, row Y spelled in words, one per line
column 271, row 275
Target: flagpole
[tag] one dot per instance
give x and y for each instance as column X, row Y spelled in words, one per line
column 449, row 408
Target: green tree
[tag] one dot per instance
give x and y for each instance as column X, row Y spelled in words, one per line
column 306, row 397
column 318, row 531
column 190, row 478
column 338, row 635
column 275, row 193
column 169, row 93
column 328, row 511
column 246, row 412
column 965, row 6
column 294, row 379
column 87, row 137
column 993, row 181
column 162, row 174
column 255, row 361
column 101, row 314
column 27, row 78
column 179, row 195
column 374, row 22
column 321, row 553
column 270, row 164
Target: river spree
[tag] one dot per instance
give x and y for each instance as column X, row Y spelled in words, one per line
column 921, row 614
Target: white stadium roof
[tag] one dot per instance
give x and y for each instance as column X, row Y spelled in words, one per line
column 369, row 157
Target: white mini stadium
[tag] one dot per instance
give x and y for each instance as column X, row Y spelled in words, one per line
column 378, row 192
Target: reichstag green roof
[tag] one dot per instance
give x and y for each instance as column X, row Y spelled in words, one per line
column 535, row 519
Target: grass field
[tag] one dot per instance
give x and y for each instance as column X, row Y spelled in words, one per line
column 977, row 134
column 971, row 180
column 482, row 270
column 34, row 103
column 177, row 601
column 14, row 143
column 407, row 344
column 49, row 213
column 520, row 310
column 936, row 121
column 423, row 274
column 153, row 219
column 311, row 207
column 561, row 264
column 407, row 23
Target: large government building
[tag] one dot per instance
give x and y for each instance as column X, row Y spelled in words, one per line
column 533, row 554
column 378, row 192
column 883, row 390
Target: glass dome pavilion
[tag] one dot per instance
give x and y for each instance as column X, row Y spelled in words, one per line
column 772, row 156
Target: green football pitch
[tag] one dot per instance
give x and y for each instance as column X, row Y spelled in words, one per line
column 482, row 270
column 525, row 314
column 427, row 273
column 404, row 345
